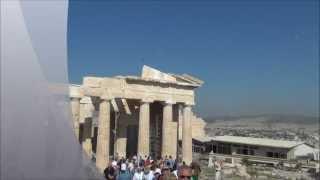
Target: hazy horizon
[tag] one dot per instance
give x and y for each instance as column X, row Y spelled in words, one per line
column 254, row 57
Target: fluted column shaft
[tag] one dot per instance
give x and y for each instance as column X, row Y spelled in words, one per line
column 166, row 130
column 103, row 140
column 187, row 135
column 86, row 135
column 75, row 109
column 144, row 132
column 121, row 142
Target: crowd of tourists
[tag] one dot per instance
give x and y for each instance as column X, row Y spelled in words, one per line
column 146, row 168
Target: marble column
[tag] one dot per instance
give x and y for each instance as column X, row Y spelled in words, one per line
column 86, row 142
column 187, row 135
column 144, row 129
column 121, row 142
column 174, row 140
column 103, row 139
column 166, row 129
column 87, row 147
column 75, row 109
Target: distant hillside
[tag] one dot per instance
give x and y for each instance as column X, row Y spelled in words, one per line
column 271, row 118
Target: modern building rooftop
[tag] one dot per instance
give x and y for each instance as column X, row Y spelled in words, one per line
column 252, row 141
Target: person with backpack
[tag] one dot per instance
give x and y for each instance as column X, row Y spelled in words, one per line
column 124, row 174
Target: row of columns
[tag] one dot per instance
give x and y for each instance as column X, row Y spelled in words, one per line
column 168, row 148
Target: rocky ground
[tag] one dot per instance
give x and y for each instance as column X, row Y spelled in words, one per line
column 253, row 173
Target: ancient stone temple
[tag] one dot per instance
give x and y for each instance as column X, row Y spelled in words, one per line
column 130, row 115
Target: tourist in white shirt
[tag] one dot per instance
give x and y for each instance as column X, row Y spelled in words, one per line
column 138, row 175
column 148, row 174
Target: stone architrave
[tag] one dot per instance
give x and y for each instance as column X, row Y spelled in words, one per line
column 103, row 140
column 187, row 135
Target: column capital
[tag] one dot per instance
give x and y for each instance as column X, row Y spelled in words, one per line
column 106, row 95
column 85, row 100
column 146, row 100
column 105, row 98
column 188, row 104
column 169, row 102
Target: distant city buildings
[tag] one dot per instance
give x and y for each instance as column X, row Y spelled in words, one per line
column 278, row 134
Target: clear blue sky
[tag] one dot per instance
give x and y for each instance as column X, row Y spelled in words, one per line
column 255, row 57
